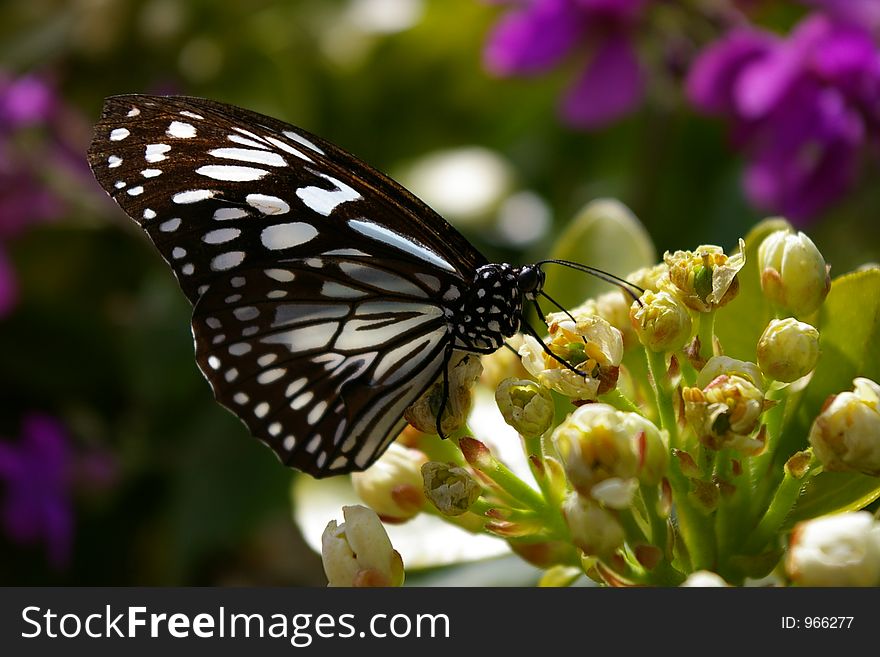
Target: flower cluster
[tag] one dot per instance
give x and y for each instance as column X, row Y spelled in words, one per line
column 666, row 461
column 802, row 106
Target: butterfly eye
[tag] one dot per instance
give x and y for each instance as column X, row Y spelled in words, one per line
column 530, row 279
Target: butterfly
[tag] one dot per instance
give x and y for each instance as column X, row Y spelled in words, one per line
column 326, row 298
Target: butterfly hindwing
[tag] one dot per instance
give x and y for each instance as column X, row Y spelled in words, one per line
column 318, row 282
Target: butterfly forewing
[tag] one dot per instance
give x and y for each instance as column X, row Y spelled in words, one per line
column 318, row 283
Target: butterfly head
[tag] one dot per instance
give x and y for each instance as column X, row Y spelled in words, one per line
column 530, row 281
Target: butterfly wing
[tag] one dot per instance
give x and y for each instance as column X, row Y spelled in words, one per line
column 318, row 283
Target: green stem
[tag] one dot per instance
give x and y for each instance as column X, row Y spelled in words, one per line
column 693, row 525
column 620, row 401
column 663, row 394
column 706, row 334
column 783, row 502
column 762, row 470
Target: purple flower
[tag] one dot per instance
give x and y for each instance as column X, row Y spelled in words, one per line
column 802, row 108
column 865, row 13
column 35, row 491
column 538, row 34
column 25, row 102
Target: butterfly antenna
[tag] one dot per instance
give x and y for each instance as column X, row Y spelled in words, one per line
column 623, row 284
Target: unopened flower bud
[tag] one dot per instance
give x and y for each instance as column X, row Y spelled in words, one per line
column 788, row 349
column 449, row 488
column 598, row 442
column 705, row 279
column 846, row 434
column 392, row 486
column 838, row 550
column 526, row 406
column 661, row 321
column 704, row 578
column 464, row 370
column 358, row 552
column 589, row 344
column 793, row 272
column 593, row 529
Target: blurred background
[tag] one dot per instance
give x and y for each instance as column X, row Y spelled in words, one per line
column 116, row 465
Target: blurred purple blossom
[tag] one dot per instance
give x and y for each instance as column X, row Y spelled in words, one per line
column 536, row 35
column 35, row 474
column 802, row 108
column 25, row 102
column 865, row 13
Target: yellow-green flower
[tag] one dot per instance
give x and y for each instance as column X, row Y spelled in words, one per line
column 525, row 405
column 661, row 321
column 725, row 406
column 793, row 272
column 590, row 344
column 788, row 349
column 449, row 488
column 705, row 279
column 597, row 443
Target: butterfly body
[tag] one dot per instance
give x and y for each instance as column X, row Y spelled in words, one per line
column 327, row 298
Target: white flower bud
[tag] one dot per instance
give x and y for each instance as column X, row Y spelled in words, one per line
column 846, row 434
column 838, row 550
column 661, row 321
column 788, row 349
column 358, row 552
column 793, row 272
column 593, row 529
column 704, row 578
column 392, row 486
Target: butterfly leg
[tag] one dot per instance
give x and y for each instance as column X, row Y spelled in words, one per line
column 444, row 399
column 531, row 331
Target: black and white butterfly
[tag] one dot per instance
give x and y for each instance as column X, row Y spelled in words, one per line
column 327, row 298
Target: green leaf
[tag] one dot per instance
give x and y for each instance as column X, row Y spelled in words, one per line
column 605, row 234
column 834, row 492
column 849, row 340
column 740, row 323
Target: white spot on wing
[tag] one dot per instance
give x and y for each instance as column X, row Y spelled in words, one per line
column 181, row 130
column 269, row 376
column 227, row 260
column 280, row 275
column 192, row 115
column 114, row 161
column 151, row 173
column 134, row 111
column 388, row 236
column 267, row 204
column 285, row 236
column 221, row 235
column 192, row 196
column 324, row 201
column 231, row 172
column 267, row 158
column 118, row 134
column 135, row 191
column 222, row 214
column 149, row 214
column 301, row 401
column 238, row 139
column 288, row 148
column 170, row 226
column 290, row 134
column 156, row 152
